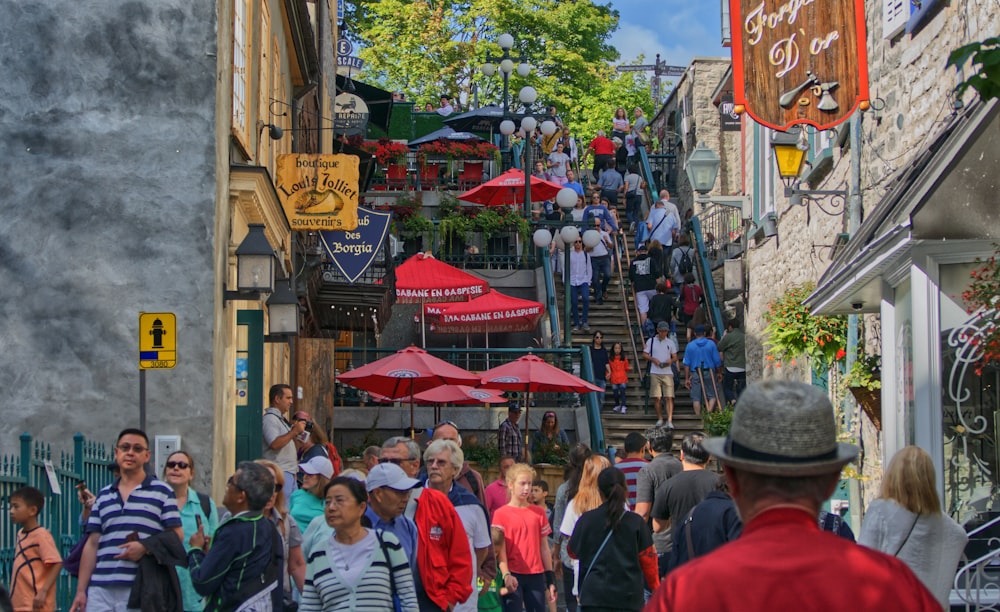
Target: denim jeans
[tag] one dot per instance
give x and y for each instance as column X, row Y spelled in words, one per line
column 575, row 293
column 601, row 267
column 619, row 391
column 733, row 383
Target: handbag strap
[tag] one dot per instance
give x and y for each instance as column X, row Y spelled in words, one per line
column 388, row 563
column 598, row 553
column 907, row 538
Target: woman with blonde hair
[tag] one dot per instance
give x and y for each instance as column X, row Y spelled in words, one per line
column 906, row 522
column 291, row 533
column 586, row 499
column 526, row 564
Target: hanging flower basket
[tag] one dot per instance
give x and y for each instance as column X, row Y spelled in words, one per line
column 870, row 401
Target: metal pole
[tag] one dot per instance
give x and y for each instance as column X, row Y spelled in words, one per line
column 853, row 223
column 527, row 175
column 567, row 330
column 142, row 400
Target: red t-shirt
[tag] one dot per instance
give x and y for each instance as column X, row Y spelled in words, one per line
column 783, row 561
column 602, row 146
column 523, row 530
column 619, row 371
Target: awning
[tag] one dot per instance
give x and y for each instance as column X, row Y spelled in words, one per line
column 379, row 101
column 947, row 193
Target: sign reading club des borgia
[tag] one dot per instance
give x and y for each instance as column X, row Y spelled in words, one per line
column 352, row 252
column 799, row 61
column 319, row 192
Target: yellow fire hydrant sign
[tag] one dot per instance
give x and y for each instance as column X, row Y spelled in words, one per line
column 319, row 192
column 157, row 340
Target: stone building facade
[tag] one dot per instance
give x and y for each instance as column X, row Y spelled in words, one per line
column 138, row 153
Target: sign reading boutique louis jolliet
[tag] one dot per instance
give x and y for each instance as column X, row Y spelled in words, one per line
column 799, row 61
column 319, row 192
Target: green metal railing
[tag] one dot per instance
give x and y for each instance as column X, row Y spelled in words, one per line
column 704, row 273
column 87, row 463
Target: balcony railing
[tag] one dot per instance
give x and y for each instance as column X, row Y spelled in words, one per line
column 722, row 231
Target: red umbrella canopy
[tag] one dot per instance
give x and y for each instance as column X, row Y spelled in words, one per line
column 450, row 394
column 508, row 188
column 530, row 373
column 407, row 372
column 423, row 278
column 459, row 394
column 493, row 312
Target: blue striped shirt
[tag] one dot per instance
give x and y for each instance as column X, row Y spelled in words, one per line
column 151, row 508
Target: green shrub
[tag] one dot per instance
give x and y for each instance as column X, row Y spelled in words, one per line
column 718, row 423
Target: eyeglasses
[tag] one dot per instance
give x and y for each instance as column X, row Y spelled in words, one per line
column 598, row 337
column 132, row 448
column 177, row 464
column 336, row 501
column 578, row 242
column 233, row 484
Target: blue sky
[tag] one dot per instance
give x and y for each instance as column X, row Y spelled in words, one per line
column 678, row 30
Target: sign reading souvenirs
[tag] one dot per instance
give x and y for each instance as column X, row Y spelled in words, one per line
column 350, row 114
column 319, row 192
column 354, row 251
column 799, row 61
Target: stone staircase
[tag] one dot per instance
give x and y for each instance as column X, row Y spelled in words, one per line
column 609, row 318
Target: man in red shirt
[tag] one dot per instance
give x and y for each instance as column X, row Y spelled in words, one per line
column 783, row 461
column 603, row 149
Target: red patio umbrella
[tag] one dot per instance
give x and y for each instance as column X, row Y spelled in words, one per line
column 508, row 188
column 406, row 373
column 422, row 278
column 451, row 394
column 531, row 374
column 493, row 312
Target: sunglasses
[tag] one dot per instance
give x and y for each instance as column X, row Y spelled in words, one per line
column 394, row 460
column 132, row 448
column 178, row 464
column 451, row 424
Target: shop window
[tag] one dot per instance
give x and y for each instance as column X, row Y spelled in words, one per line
column 241, row 71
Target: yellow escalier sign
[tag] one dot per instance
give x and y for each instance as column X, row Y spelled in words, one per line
column 157, row 340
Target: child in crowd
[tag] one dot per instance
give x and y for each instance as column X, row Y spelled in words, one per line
column 36, row 559
column 539, row 493
column 618, row 368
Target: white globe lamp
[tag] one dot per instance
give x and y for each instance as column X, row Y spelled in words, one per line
column 489, row 69
column 591, row 238
column 523, row 69
column 506, row 41
column 569, row 234
column 528, row 124
column 548, row 127
column 507, row 66
column 507, row 127
column 542, row 238
column 528, row 94
column 566, row 198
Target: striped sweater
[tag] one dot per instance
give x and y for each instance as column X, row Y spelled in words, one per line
column 326, row 591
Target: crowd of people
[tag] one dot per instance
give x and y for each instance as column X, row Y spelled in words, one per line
column 418, row 530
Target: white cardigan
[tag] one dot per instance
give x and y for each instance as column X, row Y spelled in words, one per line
column 932, row 549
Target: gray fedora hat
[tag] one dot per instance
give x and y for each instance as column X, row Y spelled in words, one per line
column 783, row 428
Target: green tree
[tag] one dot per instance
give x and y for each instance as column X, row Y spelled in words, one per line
column 985, row 67
column 429, row 48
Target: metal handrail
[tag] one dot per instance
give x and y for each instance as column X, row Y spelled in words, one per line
column 622, row 245
column 723, row 228
column 704, row 272
column 550, row 298
column 597, row 443
column 647, row 174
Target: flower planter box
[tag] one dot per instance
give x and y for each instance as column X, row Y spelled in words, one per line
column 870, row 401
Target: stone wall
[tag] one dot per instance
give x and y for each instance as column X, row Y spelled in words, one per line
column 107, row 117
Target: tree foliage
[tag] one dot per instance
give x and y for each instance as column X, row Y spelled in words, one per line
column 985, row 77
column 430, row 48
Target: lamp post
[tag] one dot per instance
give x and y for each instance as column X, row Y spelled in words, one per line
column 506, row 64
column 702, row 170
column 790, row 150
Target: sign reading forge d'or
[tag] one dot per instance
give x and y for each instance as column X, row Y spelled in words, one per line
column 319, row 192
column 799, row 61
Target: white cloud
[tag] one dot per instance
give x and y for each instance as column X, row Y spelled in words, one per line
column 633, row 40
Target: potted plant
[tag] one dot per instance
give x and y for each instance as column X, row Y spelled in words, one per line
column 792, row 331
column 386, row 152
column 864, row 381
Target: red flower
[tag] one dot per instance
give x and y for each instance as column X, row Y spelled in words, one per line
column 841, row 354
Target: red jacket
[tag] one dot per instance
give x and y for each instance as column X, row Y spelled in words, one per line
column 443, row 556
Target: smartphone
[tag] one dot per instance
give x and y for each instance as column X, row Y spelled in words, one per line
column 132, row 537
column 197, row 519
column 81, row 485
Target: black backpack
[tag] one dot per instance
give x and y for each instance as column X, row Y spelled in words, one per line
column 684, row 265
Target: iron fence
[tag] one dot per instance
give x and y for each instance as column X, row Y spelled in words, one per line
column 56, row 474
column 722, row 231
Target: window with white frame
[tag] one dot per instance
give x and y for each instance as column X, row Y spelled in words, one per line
column 241, row 73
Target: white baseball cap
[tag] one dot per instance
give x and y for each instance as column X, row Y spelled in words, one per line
column 389, row 475
column 318, row 465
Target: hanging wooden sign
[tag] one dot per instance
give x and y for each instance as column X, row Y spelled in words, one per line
column 799, row 61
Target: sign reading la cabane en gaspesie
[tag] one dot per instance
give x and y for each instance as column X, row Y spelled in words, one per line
column 319, row 192
column 799, row 61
